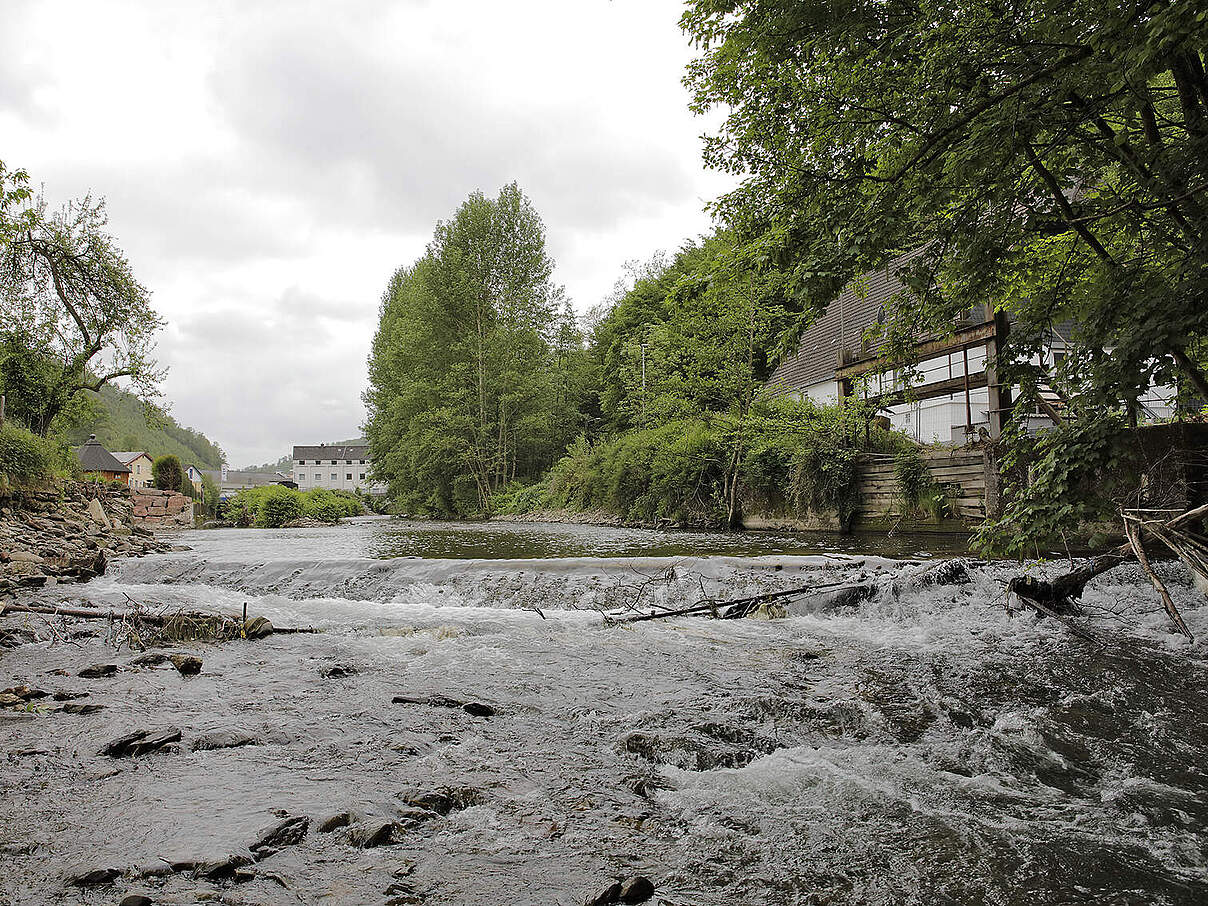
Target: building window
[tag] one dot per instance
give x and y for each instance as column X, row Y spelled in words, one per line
column 333, row 462
column 348, row 477
column 362, row 476
column 348, row 462
column 317, row 476
column 362, row 463
column 334, row 477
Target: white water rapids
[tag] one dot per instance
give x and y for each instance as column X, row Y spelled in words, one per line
column 923, row 746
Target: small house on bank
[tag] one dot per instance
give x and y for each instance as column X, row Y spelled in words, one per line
column 194, row 474
column 97, row 462
column 139, row 463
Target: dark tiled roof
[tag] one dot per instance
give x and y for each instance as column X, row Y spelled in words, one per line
column 251, row 479
column 841, row 327
column 332, row 451
column 95, row 458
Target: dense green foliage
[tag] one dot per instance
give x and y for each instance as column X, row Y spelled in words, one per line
column 1049, row 160
column 271, row 506
column 167, row 473
column 27, row 459
column 468, row 374
column 800, row 460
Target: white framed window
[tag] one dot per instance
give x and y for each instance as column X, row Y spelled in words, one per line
column 317, row 476
column 334, row 477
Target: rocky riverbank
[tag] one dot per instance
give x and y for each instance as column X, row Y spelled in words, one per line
column 67, row 534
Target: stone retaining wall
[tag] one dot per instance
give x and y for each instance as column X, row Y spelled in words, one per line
column 161, row 508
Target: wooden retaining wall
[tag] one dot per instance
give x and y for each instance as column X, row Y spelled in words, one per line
column 962, row 474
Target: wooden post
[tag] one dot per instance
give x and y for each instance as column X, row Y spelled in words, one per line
column 1000, row 395
column 1, row 410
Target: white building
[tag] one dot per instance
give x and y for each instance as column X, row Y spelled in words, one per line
column 343, row 467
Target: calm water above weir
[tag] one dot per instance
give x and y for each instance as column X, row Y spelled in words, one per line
column 386, row 538
column 920, row 746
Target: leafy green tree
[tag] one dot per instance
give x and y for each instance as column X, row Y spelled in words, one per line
column 168, row 473
column 468, row 373
column 1049, row 160
column 69, row 291
column 693, row 340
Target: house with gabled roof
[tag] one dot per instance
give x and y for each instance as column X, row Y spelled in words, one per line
column 96, row 461
column 139, row 462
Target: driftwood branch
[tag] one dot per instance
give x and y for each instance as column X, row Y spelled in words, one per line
column 1060, row 597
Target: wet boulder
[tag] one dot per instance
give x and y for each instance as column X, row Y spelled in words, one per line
column 637, row 889
column 477, row 709
column 257, row 628
column 224, row 739
column 187, row 664
column 98, row 671
column 290, row 831
column 337, row 671
column 610, row 894
column 91, row 877
column 372, row 836
column 136, row 899
column 140, row 742
column 335, row 822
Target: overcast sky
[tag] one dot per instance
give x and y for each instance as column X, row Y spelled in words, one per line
column 267, row 165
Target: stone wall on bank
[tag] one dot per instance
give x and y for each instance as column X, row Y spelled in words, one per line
column 66, row 534
column 168, row 509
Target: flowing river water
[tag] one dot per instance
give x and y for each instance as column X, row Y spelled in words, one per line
column 921, row 746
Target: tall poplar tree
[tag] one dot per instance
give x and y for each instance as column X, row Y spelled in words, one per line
column 466, row 384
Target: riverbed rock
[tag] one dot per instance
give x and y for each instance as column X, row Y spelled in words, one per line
column 136, row 899
column 187, row 664
column 610, row 894
column 221, row 869
column 374, row 835
column 96, row 513
column 637, row 889
column 335, row 822
column 337, row 671
column 22, row 557
column 290, row 831
column 477, row 709
column 224, row 739
column 79, row 708
column 91, row 877
column 140, row 742
column 257, row 628
column 98, row 671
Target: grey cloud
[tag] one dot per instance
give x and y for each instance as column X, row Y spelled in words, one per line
column 389, row 145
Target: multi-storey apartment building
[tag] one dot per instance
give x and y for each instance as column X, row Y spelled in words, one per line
column 342, row 467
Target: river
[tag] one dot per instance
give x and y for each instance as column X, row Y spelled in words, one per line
column 922, row 746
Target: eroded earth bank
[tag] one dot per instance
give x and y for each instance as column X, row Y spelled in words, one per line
column 468, row 729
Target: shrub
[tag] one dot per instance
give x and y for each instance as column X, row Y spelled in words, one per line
column 917, row 491
column 167, row 473
column 278, row 505
column 26, row 458
column 328, row 505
